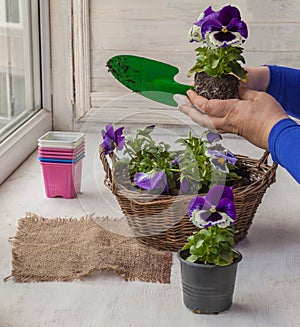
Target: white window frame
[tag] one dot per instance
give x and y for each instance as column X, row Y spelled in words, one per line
column 82, row 57
column 65, row 82
column 70, row 54
column 21, row 143
column 62, row 72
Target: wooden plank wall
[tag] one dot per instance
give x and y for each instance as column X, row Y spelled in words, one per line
column 157, row 29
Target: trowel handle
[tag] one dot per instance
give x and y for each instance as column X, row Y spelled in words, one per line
column 171, row 86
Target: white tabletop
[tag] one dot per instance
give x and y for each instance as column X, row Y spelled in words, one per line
column 268, row 280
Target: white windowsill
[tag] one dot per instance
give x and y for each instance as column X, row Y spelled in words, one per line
column 19, row 145
column 267, row 286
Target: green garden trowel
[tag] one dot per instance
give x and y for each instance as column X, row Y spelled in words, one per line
column 150, row 78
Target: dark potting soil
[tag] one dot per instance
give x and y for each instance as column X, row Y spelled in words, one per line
column 216, row 87
column 244, row 173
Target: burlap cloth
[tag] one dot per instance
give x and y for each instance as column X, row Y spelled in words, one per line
column 65, row 249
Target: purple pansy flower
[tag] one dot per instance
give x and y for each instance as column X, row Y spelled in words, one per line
column 185, row 186
column 219, row 159
column 150, row 127
column 176, row 160
column 212, row 137
column 152, row 181
column 208, row 13
column 112, row 139
column 223, row 28
column 216, row 208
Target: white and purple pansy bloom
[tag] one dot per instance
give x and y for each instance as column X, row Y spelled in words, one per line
column 223, row 28
column 194, row 34
column 217, row 208
column 153, row 181
column 112, row 139
column 220, row 158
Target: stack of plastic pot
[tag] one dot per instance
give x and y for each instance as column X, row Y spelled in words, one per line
column 61, row 154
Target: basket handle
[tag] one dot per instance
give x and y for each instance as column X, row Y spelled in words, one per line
column 263, row 160
column 269, row 177
column 108, row 181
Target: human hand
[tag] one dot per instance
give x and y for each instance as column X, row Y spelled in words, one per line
column 252, row 116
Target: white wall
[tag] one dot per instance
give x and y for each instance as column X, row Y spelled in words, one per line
column 158, row 28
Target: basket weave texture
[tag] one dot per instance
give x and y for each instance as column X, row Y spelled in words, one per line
column 161, row 221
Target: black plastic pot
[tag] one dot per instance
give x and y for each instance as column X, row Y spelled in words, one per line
column 207, row 288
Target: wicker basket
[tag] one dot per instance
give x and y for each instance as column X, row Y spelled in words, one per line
column 161, row 221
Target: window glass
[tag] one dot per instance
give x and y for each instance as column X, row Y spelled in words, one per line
column 12, row 11
column 20, row 90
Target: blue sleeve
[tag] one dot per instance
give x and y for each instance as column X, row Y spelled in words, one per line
column 284, row 146
column 284, row 86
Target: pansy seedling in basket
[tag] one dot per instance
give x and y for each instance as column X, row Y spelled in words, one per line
column 155, row 168
column 143, row 170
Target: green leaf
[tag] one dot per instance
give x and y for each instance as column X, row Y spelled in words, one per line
column 219, row 61
column 199, row 242
column 221, row 262
column 196, row 69
column 204, row 233
column 214, row 63
column 186, row 246
column 192, row 258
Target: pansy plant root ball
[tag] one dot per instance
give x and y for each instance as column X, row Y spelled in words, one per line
column 218, row 59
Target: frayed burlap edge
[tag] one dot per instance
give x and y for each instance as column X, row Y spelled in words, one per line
column 142, row 263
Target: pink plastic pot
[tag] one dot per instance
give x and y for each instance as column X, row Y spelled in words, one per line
column 63, row 150
column 64, row 156
column 58, row 155
column 62, row 179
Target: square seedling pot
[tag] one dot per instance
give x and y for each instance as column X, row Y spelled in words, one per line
column 62, row 179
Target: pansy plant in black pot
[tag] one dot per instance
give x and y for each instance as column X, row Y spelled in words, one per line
column 218, row 60
column 208, row 260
